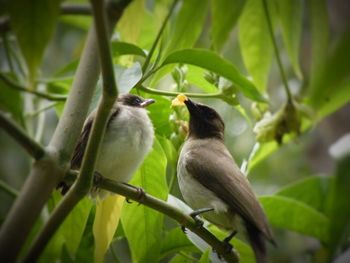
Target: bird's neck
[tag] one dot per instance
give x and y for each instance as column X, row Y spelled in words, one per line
column 204, row 132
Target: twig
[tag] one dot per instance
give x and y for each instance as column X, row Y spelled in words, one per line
column 31, row 146
column 161, row 30
column 173, row 212
column 45, row 173
column 81, row 187
column 43, row 95
column 8, row 189
column 175, row 93
column 75, row 9
column 279, row 62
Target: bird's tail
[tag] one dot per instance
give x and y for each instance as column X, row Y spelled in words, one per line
column 257, row 242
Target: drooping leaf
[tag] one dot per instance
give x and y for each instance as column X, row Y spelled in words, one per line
column 142, row 225
column 124, row 48
column 331, row 88
column 290, row 14
column 70, row 232
column 33, row 21
column 188, row 25
column 205, row 257
column 301, row 217
column 175, row 241
column 312, row 191
column 339, row 208
column 131, row 21
column 211, row 61
column 127, row 77
column 11, row 100
column 107, row 217
column 255, row 42
column 159, row 113
column 320, row 38
column 224, row 16
column 196, row 76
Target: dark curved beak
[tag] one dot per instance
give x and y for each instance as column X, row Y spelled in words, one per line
column 192, row 107
column 147, row 102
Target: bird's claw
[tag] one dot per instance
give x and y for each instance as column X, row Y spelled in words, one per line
column 141, row 194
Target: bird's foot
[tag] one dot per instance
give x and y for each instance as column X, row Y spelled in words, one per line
column 141, row 194
column 195, row 214
column 226, row 241
column 97, row 179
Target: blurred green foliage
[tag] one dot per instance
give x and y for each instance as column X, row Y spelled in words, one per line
column 197, row 53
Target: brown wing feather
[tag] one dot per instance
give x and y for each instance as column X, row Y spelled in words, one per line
column 222, row 175
column 81, row 145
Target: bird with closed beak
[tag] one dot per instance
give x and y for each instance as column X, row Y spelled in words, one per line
column 128, row 138
column 211, row 182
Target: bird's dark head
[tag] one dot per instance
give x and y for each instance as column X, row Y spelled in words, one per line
column 134, row 101
column 205, row 122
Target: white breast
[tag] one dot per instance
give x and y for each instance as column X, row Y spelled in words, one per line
column 126, row 143
column 197, row 196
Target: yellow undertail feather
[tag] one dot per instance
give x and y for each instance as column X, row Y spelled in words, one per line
column 106, row 221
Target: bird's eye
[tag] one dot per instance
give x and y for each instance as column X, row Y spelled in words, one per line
column 137, row 101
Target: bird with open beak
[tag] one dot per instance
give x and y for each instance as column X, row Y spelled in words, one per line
column 211, row 182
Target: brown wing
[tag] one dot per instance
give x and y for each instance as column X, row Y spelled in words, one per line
column 81, row 145
column 222, row 175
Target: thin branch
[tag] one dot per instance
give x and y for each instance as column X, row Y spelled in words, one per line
column 43, row 95
column 173, row 212
column 161, row 30
column 81, row 187
column 45, row 173
column 217, row 95
column 75, row 9
column 31, row 146
column 8, row 189
column 279, row 62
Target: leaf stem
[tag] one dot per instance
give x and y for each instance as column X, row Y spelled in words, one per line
column 156, row 41
column 175, row 93
column 173, row 212
column 43, row 95
column 31, row 146
column 279, row 62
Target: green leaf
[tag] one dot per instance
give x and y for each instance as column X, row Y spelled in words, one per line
column 331, row 88
column 159, row 113
column 255, row 42
column 11, row 100
column 70, row 232
column 195, row 75
column 174, row 241
column 142, row 225
column 205, row 257
column 224, row 16
column 211, row 61
column 339, row 207
column 129, row 26
column 127, row 77
column 320, row 38
column 33, row 21
column 313, row 191
column 124, row 48
column 300, row 217
column 188, row 25
column 290, row 14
